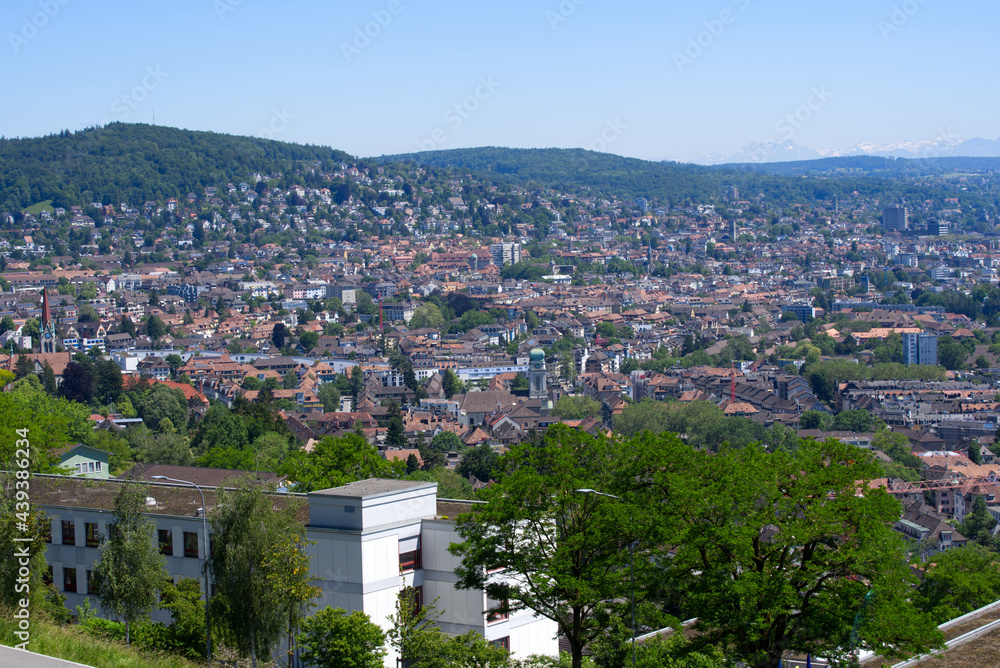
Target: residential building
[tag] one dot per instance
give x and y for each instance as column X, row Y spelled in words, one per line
column 505, row 253
column 896, row 218
column 368, row 540
column 919, row 349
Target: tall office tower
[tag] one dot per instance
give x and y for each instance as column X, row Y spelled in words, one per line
column 896, row 218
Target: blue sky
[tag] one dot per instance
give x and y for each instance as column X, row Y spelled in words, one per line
column 650, row 80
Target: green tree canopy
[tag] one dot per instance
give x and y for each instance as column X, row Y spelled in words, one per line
column 130, row 572
column 332, row 638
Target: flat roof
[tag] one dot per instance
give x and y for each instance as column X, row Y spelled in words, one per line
column 363, row 489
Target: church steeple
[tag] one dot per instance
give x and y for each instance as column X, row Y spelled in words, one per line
column 48, row 333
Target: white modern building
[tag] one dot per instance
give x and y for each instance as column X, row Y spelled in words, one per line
column 505, row 253
column 371, row 538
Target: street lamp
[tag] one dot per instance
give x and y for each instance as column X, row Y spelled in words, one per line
column 631, row 562
column 204, row 527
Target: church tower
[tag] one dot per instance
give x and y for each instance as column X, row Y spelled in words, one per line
column 48, row 333
column 536, row 374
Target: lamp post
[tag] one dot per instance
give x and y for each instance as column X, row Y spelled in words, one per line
column 631, row 563
column 204, row 528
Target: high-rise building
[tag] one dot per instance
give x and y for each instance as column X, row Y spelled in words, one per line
column 896, row 218
column 919, row 348
column 504, row 254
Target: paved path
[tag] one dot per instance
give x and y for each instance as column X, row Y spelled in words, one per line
column 18, row 658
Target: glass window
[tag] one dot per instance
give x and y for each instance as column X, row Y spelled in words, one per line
column 191, row 544
column 409, row 561
column 69, row 579
column 501, row 613
column 502, row 642
column 166, row 540
column 68, row 533
column 91, row 589
column 91, row 534
column 47, row 576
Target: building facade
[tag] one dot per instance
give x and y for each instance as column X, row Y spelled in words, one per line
column 919, row 348
column 370, row 539
column 506, row 253
column 896, row 218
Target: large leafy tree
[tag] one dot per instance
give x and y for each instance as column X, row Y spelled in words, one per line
column 251, row 575
column 960, row 581
column 130, row 572
column 338, row 461
column 576, row 408
column 332, row 638
column 778, row 552
column 565, row 554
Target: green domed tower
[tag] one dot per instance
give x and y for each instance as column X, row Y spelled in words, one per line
column 536, row 374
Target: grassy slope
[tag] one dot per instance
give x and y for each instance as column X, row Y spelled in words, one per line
column 71, row 644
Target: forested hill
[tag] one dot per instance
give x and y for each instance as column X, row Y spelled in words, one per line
column 666, row 182
column 568, row 169
column 129, row 162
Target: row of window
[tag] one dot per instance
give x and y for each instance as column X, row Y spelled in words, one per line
column 87, row 467
column 92, row 538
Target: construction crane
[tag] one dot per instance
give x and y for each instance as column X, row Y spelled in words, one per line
column 903, row 487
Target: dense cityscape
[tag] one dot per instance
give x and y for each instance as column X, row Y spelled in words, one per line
column 402, row 369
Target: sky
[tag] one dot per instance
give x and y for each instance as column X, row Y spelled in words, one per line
column 653, row 80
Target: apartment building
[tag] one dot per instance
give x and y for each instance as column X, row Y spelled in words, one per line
column 371, row 538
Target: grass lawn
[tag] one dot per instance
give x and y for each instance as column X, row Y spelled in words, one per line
column 71, row 644
column 36, row 209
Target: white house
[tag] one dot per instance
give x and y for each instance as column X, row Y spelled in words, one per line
column 371, row 538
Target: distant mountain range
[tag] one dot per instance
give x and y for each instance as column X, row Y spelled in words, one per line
column 785, row 151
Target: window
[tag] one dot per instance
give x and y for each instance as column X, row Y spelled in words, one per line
column 47, row 577
column 166, row 539
column 501, row 613
column 47, row 530
column 349, row 509
column 68, row 533
column 191, row 544
column 69, row 579
column 97, row 466
column 91, row 588
column 503, row 643
column 90, row 532
column 409, row 561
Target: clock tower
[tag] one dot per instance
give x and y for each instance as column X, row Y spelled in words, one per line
column 536, row 375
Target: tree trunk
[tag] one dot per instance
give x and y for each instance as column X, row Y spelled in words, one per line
column 253, row 652
column 128, row 637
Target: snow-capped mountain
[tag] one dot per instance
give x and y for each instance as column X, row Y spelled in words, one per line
column 784, row 151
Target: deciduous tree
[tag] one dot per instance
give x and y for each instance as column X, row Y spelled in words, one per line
column 130, row 572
